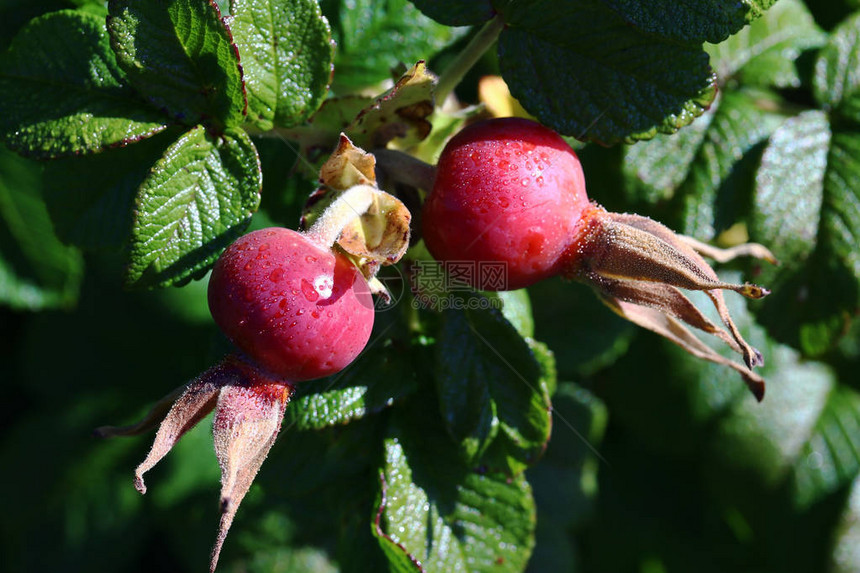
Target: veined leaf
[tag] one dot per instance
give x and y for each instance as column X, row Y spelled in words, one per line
column 180, row 55
column 435, row 515
column 198, row 198
column 286, row 51
column 62, row 92
column 493, row 390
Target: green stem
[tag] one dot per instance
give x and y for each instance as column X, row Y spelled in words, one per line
column 401, row 167
column 470, row 55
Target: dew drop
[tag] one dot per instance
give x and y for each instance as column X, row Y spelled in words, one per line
column 294, row 323
column 263, row 247
column 524, row 181
column 249, row 265
column 300, row 312
column 309, row 291
column 504, row 203
column 311, row 259
column 315, row 314
column 277, row 274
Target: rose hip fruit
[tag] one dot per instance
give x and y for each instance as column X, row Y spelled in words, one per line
column 511, row 192
column 506, row 191
column 297, row 310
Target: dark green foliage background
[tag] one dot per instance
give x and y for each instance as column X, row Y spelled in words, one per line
column 658, row 463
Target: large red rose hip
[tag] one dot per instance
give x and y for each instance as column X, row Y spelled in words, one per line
column 296, row 309
column 507, row 191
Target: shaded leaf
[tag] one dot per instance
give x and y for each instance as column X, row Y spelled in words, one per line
column 286, row 53
column 375, row 36
column 180, row 55
column 642, row 85
column 493, row 391
column 68, row 53
column 695, row 167
column 837, row 72
column 91, row 198
column 806, row 210
column 382, row 375
column 457, row 12
column 765, row 52
column 36, row 270
column 438, row 515
column 198, row 198
column 694, row 21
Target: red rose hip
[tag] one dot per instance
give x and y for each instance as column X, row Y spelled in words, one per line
column 296, row 309
column 506, row 191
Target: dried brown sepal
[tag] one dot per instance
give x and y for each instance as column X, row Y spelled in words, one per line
column 753, row 250
column 637, row 265
column 370, row 225
column 247, row 421
column 670, row 328
column 400, row 113
column 249, row 406
column 348, row 166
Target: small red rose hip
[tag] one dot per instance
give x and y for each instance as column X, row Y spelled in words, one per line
column 506, row 191
column 298, row 310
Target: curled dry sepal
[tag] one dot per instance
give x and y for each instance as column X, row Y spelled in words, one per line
column 638, row 266
column 249, row 407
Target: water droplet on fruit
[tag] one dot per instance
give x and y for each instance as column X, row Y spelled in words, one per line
column 309, row 291
column 300, row 312
column 294, row 323
column 276, row 275
column 264, row 247
column 475, row 157
column 311, row 259
column 503, row 202
column 249, row 265
column 315, row 314
column 524, row 181
column 283, row 304
column 539, row 180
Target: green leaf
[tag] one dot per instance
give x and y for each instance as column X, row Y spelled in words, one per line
column 435, row 515
column 565, row 481
column 837, row 72
column 383, row 374
column 585, row 335
column 692, row 21
column 764, row 54
column 767, row 440
column 610, row 82
column 180, row 55
column 457, row 12
column 198, row 198
column 695, row 167
column 830, row 457
column 68, row 53
column 375, row 36
column 806, row 211
column 286, row 53
column 36, row 270
column 91, row 198
column 846, row 550
column 493, row 391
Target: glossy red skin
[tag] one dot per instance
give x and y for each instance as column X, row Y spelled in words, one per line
column 262, row 295
column 507, row 190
